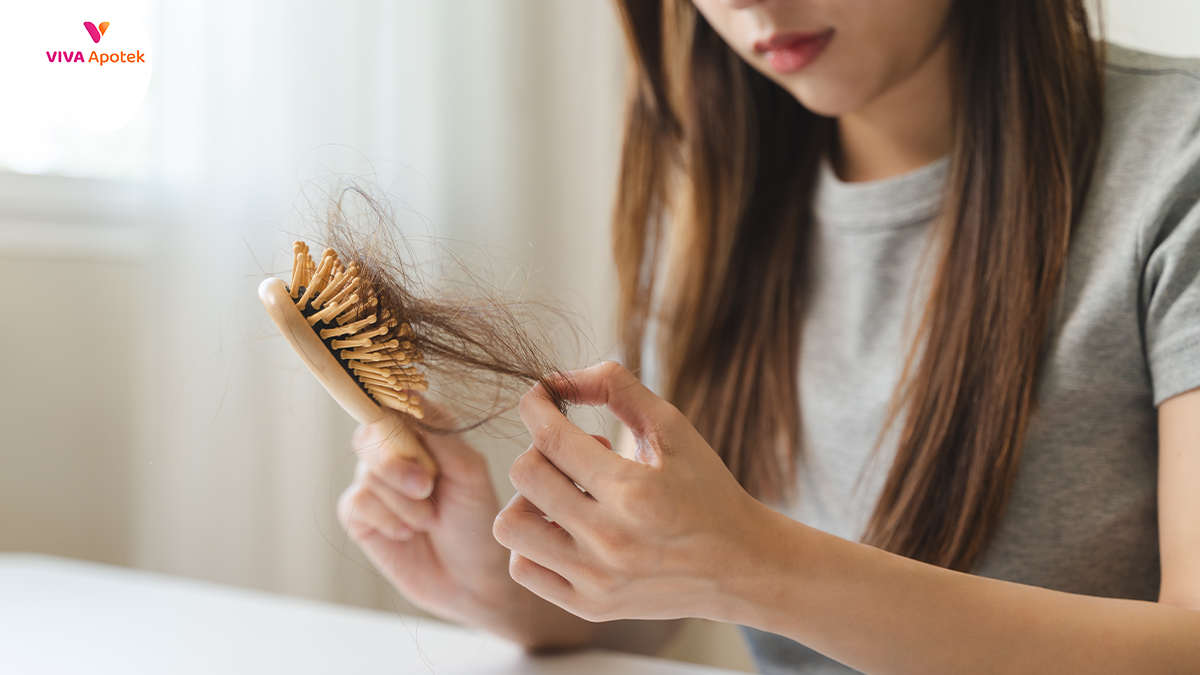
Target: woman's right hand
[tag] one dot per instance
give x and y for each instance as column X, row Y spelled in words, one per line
column 432, row 539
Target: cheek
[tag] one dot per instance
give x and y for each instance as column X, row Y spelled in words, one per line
column 848, row 75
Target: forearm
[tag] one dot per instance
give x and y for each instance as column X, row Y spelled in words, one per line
column 881, row 613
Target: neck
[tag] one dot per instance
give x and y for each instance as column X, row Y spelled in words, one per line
column 908, row 126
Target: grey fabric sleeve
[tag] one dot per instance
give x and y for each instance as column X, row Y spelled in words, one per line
column 1171, row 293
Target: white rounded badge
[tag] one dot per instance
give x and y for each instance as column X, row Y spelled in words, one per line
column 86, row 61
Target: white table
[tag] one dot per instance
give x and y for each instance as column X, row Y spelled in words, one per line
column 66, row 616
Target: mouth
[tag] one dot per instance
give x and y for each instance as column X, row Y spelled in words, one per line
column 790, row 52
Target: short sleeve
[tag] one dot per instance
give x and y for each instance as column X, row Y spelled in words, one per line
column 1171, row 294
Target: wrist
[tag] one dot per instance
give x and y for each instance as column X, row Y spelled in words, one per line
column 765, row 570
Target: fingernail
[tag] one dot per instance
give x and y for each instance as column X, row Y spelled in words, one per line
column 416, row 483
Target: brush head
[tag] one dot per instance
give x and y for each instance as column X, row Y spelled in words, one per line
column 375, row 347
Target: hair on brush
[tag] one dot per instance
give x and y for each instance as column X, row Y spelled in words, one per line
column 393, row 324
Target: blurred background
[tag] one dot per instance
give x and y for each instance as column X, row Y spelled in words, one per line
column 148, row 415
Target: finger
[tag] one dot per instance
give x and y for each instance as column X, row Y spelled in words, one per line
column 577, row 454
column 364, row 507
column 611, row 384
column 392, row 435
column 345, row 503
column 549, row 490
column 388, row 556
column 603, row 440
column 404, row 476
column 542, row 582
column 373, row 442
column 522, row 528
column 362, row 533
column 449, row 448
column 415, row 513
column 437, row 415
column 453, row 454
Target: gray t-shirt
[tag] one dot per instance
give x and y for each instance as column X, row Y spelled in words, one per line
column 1125, row 336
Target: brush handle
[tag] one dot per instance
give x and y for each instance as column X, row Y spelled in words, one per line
column 330, row 373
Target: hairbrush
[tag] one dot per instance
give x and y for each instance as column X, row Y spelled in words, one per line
column 361, row 352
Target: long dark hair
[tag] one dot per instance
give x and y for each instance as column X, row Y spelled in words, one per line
column 721, row 162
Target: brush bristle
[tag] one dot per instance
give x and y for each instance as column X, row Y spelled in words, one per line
column 376, row 348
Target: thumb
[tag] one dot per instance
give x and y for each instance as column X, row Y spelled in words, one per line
column 610, row 384
column 391, row 436
column 449, row 448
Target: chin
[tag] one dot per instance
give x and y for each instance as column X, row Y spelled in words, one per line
column 825, row 99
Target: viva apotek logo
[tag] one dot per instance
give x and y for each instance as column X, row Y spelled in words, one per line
column 96, row 32
column 52, row 64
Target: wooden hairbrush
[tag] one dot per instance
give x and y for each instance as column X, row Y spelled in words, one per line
column 360, row 352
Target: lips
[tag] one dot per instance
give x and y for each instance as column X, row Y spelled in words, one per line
column 790, row 52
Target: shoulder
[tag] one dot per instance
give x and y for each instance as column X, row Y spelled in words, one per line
column 1137, row 63
column 1146, row 85
column 1142, row 223
column 1148, row 169
column 1152, row 111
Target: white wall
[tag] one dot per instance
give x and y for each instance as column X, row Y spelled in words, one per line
column 71, row 283
column 1169, row 27
column 65, row 392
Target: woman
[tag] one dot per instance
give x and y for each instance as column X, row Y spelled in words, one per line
column 921, row 274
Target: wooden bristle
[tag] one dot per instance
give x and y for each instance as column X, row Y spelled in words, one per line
column 299, row 250
column 376, row 348
column 346, row 330
column 352, row 315
column 336, row 282
column 332, row 310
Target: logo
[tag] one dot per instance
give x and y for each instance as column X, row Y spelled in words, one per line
column 55, row 74
column 95, row 31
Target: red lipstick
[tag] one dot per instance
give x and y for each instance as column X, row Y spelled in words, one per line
column 790, row 52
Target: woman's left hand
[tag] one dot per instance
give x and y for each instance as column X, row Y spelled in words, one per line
column 656, row 537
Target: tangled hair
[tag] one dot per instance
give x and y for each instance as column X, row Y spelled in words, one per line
column 480, row 347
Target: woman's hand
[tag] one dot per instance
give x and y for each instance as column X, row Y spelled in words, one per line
column 649, row 539
column 431, row 540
